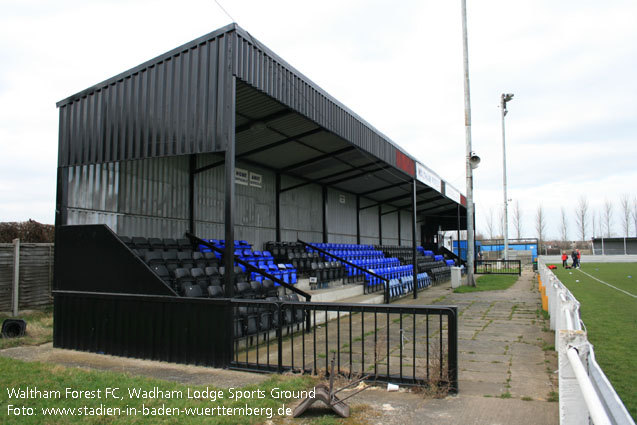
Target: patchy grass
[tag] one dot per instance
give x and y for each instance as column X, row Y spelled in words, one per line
column 39, row 328
column 553, row 396
column 610, row 317
column 489, row 282
column 16, row 373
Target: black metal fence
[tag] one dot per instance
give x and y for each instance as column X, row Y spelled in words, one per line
column 403, row 344
column 498, row 267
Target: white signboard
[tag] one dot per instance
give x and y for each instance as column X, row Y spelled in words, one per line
column 241, row 176
column 256, row 179
column 452, row 193
column 341, row 199
column 428, row 177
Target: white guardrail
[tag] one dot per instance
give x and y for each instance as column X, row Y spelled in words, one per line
column 586, row 395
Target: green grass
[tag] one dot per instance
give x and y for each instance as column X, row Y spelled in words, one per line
column 489, row 282
column 16, row 373
column 611, row 320
column 39, row 328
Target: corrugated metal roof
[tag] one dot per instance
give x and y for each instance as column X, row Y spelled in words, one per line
column 179, row 103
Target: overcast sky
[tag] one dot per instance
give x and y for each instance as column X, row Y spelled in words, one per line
column 571, row 129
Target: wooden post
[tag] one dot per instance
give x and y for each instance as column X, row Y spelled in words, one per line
column 16, row 275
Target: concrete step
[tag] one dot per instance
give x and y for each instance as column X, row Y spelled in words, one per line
column 336, row 293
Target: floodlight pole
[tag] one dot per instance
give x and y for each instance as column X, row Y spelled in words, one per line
column 503, row 106
column 469, row 172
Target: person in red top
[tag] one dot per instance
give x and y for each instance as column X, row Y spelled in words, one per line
column 564, row 258
column 579, row 258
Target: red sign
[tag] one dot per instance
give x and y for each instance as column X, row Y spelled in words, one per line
column 405, row 163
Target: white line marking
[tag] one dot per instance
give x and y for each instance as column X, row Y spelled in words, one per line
column 607, row 284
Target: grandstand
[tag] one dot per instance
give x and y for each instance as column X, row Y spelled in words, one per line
column 218, row 172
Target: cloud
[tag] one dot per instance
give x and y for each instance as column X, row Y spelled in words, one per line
column 570, row 131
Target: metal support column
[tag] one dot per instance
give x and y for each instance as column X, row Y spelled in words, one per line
column 358, row 219
column 380, row 224
column 228, row 136
column 399, row 231
column 459, row 251
column 324, row 195
column 62, row 196
column 61, row 213
column 414, row 244
column 277, row 207
column 192, row 166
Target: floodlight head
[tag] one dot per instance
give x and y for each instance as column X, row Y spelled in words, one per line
column 474, row 160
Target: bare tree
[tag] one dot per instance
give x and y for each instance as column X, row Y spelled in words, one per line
column 564, row 226
column 608, row 217
column 489, row 221
column 517, row 219
column 635, row 214
column 624, row 203
column 540, row 224
column 501, row 222
column 581, row 217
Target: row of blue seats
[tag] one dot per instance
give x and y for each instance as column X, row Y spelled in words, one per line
column 405, row 285
column 329, row 246
column 237, row 244
column 377, row 263
column 346, row 253
column 392, row 272
column 259, row 259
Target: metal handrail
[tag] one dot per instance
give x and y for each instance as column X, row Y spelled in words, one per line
column 249, row 266
column 344, row 261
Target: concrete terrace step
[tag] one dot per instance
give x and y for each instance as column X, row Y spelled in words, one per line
column 336, row 293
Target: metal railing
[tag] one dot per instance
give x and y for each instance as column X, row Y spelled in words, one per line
column 196, row 240
column 498, row 267
column 585, row 392
column 412, row 345
column 383, row 279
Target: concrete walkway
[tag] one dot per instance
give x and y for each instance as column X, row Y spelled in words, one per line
column 506, row 363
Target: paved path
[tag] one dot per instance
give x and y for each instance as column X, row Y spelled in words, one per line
column 505, row 377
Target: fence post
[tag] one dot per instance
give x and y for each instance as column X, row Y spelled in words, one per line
column 452, row 346
column 16, row 275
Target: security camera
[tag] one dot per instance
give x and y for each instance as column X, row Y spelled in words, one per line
column 474, row 160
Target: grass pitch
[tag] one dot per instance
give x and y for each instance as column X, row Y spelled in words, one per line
column 489, row 282
column 610, row 317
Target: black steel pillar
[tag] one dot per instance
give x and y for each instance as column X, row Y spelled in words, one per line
column 228, row 136
column 358, row 219
column 61, row 214
column 414, row 244
column 380, row 224
column 459, row 250
column 399, row 231
column 277, row 206
column 324, row 196
column 62, row 196
column 192, row 166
